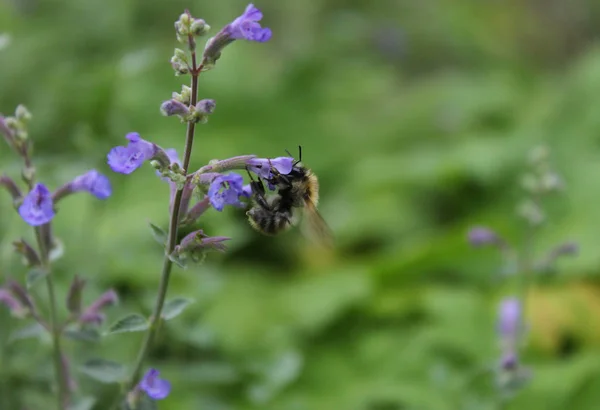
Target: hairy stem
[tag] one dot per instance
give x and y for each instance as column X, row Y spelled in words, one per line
column 172, row 242
column 55, row 327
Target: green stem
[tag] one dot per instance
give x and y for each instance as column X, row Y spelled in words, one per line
column 172, row 242
column 55, row 328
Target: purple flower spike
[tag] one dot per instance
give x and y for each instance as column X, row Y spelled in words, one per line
column 93, row 182
column 127, row 159
column 480, row 236
column 37, row 208
column 155, row 387
column 226, row 190
column 246, row 26
column 262, row 166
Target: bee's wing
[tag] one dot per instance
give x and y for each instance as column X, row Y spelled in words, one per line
column 315, row 227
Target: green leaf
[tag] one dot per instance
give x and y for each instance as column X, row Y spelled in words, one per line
column 174, row 307
column 159, row 234
column 35, row 275
column 27, row 332
column 129, row 323
column 83, row 335
column 84, row 403
column 104, row 371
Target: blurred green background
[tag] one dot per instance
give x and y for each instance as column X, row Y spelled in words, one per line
column 416, row 115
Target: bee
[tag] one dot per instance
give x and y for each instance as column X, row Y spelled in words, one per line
column 297, row 190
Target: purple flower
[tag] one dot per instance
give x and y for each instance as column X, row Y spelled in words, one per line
column 93, row 182
column 480, row 236
column 246, row 26
column 155, row 387
column 173, row 107
column 206, row 106
column 262, row 166
column 92, row 314
column 226, row 190
column 509, row 318
column 13, row 304
column 37, row 207
column 127, row 159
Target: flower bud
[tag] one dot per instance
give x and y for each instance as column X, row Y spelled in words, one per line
column 180, row 67
column 199, row 27
column 92, row 314
column 30, row 256
column 22, row 113
column 206, row 106
column 173, row 107
column 20, row 294
column 14, row 305
column 480, row 236
column 196, row 244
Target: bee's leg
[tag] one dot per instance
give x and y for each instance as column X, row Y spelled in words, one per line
column 258, row 192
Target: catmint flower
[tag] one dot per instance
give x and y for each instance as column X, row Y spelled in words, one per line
column 173, row 107
column 509, row 319
column 480, row 236
column 155, row 387
column 245, row 27
column 206, row 106
column 226, row 190
column 262, row 166
column 37, row 207
column 92, row 314
column 92, row 181
column 127, row 159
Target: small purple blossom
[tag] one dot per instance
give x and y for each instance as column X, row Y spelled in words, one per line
column 262, row 166
column 509, row 318
column 93, row 182
column 206, row 106
column 480, row 236
column 13, row 304
column 173, row 107
column 226, row 190
column 127, row 159
column 246, row 26
column 37, row 207
column 92, row 314
column 155, row 387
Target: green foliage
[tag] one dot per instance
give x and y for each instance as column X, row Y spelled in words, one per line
column 417, row 118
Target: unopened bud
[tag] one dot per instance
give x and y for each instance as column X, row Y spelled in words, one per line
column 92, row 314
column 186, row 94
column 481, row 236
column 173, row 107
column 199, row 27
column 180, row 68
column 206, row 106
column 22, row 113
column 14, row 305
column 30, row 256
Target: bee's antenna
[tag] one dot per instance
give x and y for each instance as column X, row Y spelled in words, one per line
column 299, row 153
column 289, row 153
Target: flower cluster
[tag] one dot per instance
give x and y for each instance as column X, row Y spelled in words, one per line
column 539, row 182
column 215, row 185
